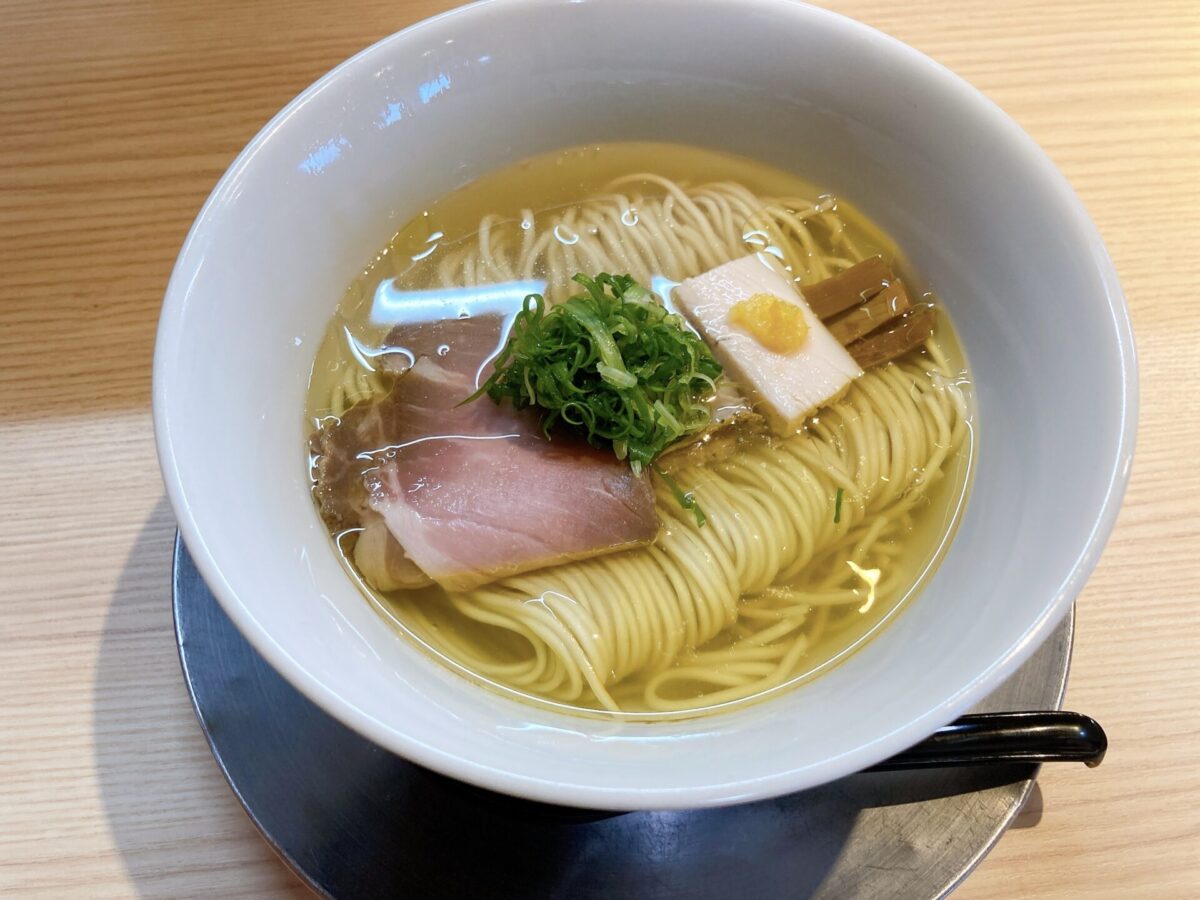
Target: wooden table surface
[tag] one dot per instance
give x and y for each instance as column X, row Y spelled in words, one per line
column 116, row 119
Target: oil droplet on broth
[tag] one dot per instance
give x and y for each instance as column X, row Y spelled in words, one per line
column 565, row 236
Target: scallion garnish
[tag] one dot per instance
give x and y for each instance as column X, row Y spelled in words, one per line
column 611, row 363
column 837, row 506
column 686, row 499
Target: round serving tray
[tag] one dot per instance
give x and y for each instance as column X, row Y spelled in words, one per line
column 353, row 820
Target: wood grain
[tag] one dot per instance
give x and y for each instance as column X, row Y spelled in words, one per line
column 116, row 118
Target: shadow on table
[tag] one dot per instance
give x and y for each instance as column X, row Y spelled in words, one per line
column 162, row 792
column 1030, row 814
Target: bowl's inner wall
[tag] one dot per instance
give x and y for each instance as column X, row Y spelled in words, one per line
column 980, row 214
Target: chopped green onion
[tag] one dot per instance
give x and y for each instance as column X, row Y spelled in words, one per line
column 611, row 363
column 837, row 506
column 686, row 499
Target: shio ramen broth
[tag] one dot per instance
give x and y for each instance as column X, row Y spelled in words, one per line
column 811, row 541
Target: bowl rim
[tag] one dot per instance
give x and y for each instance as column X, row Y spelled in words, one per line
column 592, row 795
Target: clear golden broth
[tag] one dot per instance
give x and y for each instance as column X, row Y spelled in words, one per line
column 565, row 177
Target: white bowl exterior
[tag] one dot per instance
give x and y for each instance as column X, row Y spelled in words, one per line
column 977, row 207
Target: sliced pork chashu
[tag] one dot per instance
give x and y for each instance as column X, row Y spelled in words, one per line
column 469, row 493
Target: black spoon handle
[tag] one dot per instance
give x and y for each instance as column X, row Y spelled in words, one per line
column 1010, row 737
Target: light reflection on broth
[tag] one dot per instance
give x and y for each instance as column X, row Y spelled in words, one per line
column 772, row 590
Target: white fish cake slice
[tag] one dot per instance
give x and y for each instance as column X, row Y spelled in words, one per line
column 786, row 388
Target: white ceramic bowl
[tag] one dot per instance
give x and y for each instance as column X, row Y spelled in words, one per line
column 978, row 207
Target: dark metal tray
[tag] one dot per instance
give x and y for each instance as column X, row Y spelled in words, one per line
column 353, row 820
